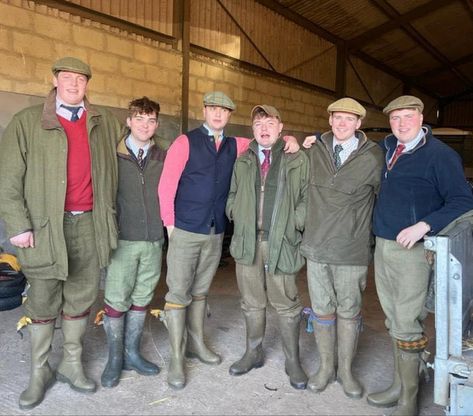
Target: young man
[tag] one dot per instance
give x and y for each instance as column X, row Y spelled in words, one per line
column 267, row 203
column 192, row 194
column 423, row 189
column 135, row 266
column 345, row 172
column 59, row 180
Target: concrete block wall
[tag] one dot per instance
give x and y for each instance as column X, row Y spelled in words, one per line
column 127, row 66
column 123, row 65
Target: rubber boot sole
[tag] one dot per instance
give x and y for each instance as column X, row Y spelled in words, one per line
column 240, row 373
column 194, row 355
column 382, row 405
column 64, row 379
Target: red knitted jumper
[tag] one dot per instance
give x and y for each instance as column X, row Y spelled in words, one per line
column 79, row 191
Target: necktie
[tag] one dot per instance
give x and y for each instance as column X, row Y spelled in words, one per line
column 336, row 155
column 217, row 140
column 73, row 110
column 399, row 149
column 140, row 157
column 266, row 163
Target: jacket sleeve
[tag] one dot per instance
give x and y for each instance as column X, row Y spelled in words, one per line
column 453, row 188
column 13, row 164
column 174, row 164
column 301, row 205
column 231, row 194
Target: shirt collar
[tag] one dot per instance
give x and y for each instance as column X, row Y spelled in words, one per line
column 132, row 145
column 210, row 131
column 413, row 143
column 346, row 143
column 65, row 113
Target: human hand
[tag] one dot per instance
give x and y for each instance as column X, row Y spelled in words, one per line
column 291, row 145
column 309, row 141
column 23, row 240
column 411, row 235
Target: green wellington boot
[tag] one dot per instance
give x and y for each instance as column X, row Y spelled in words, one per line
column 254, row 356
column 390, row 396
column 347, row 341
column 70, row 369
column 114, row 330
column 176, row 324
column 41, row 377
column 325, row 334
column 290, row 330
column 196, row 347
column 409, row 375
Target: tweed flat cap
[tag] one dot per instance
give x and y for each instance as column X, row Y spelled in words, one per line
column 268, row 109
column 71, row 64
column 404, row 101
column 220, row 99
column 347, row 105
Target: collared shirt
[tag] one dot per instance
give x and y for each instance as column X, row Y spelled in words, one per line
column 261, row 154
column 212, row 133
column 415, row 142
column 131, row 144
column 64, row 112
column 349, row 146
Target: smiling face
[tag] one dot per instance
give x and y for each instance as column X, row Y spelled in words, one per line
column 344, row 125
column 266, row 130
column 142, row 127
column 405, row 124
column 216, row 117
column 71, row 87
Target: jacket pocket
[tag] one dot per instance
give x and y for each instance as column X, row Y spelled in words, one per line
column 237, row 247
column 290, row 258
column 42, row 255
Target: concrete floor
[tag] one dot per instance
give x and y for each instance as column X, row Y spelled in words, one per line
column 210, row 390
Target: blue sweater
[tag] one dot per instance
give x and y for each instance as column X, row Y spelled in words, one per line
column 425, row 184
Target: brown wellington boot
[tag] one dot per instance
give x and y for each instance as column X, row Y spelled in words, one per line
column 347, row 341
column 196, row 347
column 390, row 396
column 42, row 377
column 325, row 334
column 254, row 356
column 70, row 369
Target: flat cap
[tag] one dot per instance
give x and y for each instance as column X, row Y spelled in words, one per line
column 71, row 64
column 404, row 101
column 220, row 99
column 268, row 109
column 347, row 105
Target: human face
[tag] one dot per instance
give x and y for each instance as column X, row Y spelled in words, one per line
column 344, row 125
column 216, row 117
column 405, row 123
column 266, row 130
column 142, row 127
column 71, row 87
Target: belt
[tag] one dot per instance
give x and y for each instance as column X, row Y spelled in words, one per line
column 74, row 213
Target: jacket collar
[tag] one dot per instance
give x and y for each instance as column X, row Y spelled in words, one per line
column 390, row 142
column 327, row 139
